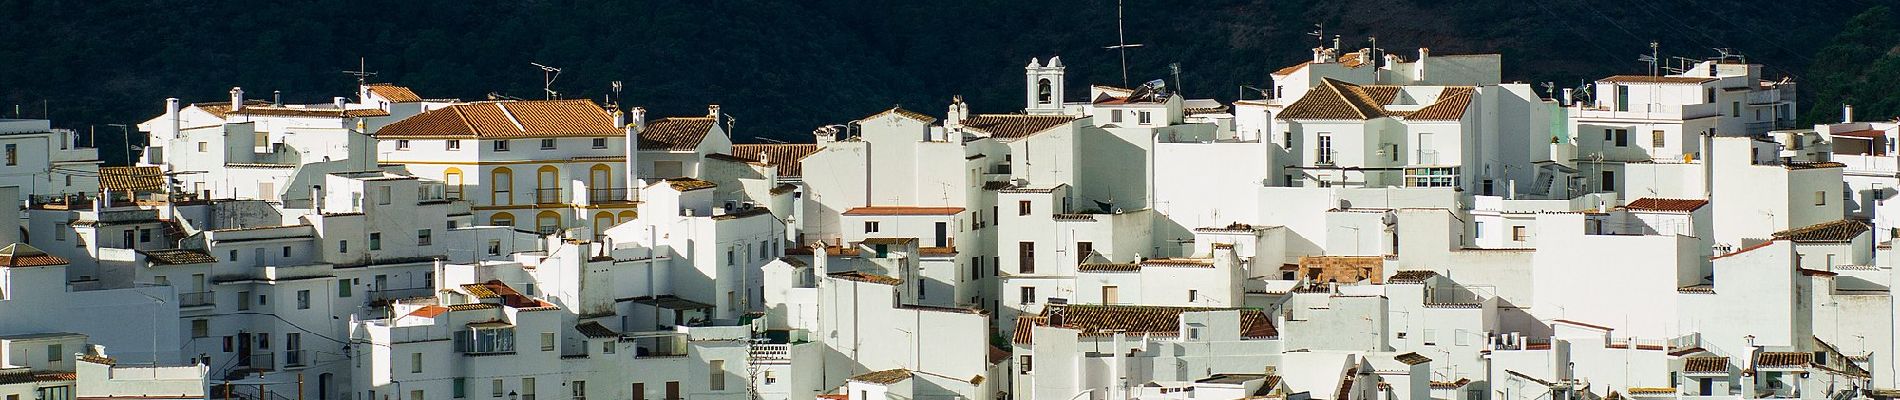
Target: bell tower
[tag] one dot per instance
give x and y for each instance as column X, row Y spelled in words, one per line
column 1043, row 92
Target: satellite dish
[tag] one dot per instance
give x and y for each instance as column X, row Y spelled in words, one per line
column 1153, row 90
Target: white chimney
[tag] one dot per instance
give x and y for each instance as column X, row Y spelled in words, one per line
column 316, row 198
column 237, row 98
column 171, row 114
column 712, row 110
column 277, row 97
column 339, row 101
column 1847, row 113
column 954, row 119
column 632, row 130
column 1418, row 66
column 820, row 263
column 1565, row 101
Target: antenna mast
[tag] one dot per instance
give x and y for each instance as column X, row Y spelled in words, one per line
column 1121, row 40
column 548, row 74
column 362, row 72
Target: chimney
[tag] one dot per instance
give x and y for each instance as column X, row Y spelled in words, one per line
column 237, row 98
column 1565, row 101
column 824, row 134
column 1418, row 67
column 171, row 114
column 712, row 110
column 277, row 97
column 1847, row 113
column 820, row 263
column 632, row 130
column 954, row 120
column 1319, row 54
column 339, row 101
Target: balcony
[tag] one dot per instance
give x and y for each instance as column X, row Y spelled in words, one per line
column 606, row 195
column 259, row 361
column 296, row 358
column 548, row 196
column 197, row 299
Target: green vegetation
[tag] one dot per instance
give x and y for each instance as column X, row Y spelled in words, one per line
column 782, row 68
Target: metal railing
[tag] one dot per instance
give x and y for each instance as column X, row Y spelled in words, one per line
column 296, row 358
column 259, row 360
column 599, row 195
column 197, row 299
column 547, row 196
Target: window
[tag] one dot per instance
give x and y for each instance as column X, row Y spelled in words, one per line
column 233, row 256
column 1620, row 137
column 424, row 237
column 415, row 363
column 286, row 251
column 1115, row 116
column 527, row 389
column 303, row 299
column 1431, row 177
column 497, row 387
column 1324, row 154
column 204, row 147
column 1820, row 198
column 1708, row 95
column 342, row 246
column 383, row 195
column 1026, row 257
column 53, row 352
column 1477, row 230
column 1519, row 233
column 1111, row 294
column 485, row 340
column 1622, row 97
column 501, row 145
column 375, row 240
column 1194, row 295
column 600, row 143
column 458, row 387
column 607, row 347
column 580, row 390
column 227, row 344
column 1022, row 207
column 547, row 341
column 145, row 235
column 1735, row 109
column 870, row 226
column 717, row 380
column 640, row 390
column 1194, row 333
column 13, row 154
column 453, row 145
column 244, row 301
column 1431, row 337
column 1657, row 139
column 770, row 378
column 1028, row 294
column 1609, row 181
column 1145, row 118
column 402, row 144
column 494, row 247
column 547, row 144
column 343, row 288
column 1025, row 364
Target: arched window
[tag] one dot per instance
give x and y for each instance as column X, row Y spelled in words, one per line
column 600, row 184
column 627, row 216
column 602, row 221
column 547, row 222
column 501, row 184
column 502, row 219
column 452, row 183
column 1044, row 93
column 547, row 185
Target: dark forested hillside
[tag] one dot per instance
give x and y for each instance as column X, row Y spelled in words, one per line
column 782, row 68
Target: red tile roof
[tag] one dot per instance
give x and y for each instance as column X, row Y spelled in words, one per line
column 900, row 111
column 1099, row 319
column 1867, row 133
column 507, row 120
column 1696, row 365
column 900, row 210
column 395, row 94
column 1450, row 106
column 143, row 179
column 1015, row 126
column 784, row 156
column 867, row 277
column 1291, row 69
column 1656, row 204
column 1334, row 100
column 1784, row 359
column 1840, row 231
column 23, row 255
column 429, row 311
column 676, row 133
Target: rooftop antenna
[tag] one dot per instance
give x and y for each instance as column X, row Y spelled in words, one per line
column 362, row 72
column 1653, row 58
column 1550, row 88
column 1121, row 40
column 1175, row 67
column 548, row 74
column 616, row 101
column 1318, row 34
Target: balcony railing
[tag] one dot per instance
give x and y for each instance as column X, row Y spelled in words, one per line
column 197, row 299
column 263, row 360
column 296, row 358
column 602, row 195
column 547, row 196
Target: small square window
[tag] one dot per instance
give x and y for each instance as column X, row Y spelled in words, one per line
column 547, row 144
column 402, row 144
column 454, row 145
column 600, row 143
column 501, row 145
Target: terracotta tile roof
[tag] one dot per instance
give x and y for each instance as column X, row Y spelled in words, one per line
column 143, row 179
column 1095, row 319
column 1865, row 133
column 1450, row 106
column 900, row 111
column 1291, row 69
column 223, row 109
column 1652, row 390
column 1411, row 276
column 472, row 306
column 1334, row 100
column 884, row 377
column 1697, row 289
column 29, row 376
column 1179, row 262
column 900, row 210
column 593, row 329
column 24, row 255
column 1827, row 232
column 675, row 133
column 1705, row 365
column 429, row 311
column 396, row 94
column 998, row 354
column 1656, row 204
column 689, row 184
column 867, row 277
column 508, row 120
column 1783, row 359
column 1812, row 165
column 888, row 240
column 1461, row 382
column 834, row 396
column 1108, row 267
column 1351, row 60
column 1024, row 323
column 937, row 251
column 490, row 290
column 280, row 111
column 1412, row 358
column 97, row 359
column 178, row 256
column 1015, row 126
column 784, row 156
column 1656, row 79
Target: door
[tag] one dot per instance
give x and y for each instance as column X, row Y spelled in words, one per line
column 323, row 386
column 1708, row 386
column 1427, row 155
column 1111, row 295
column 639, row 391
column 244, row 348
column 547, row 185
column 943, row 234
column 1082, row 251
column 128, row 239
column 600, row 184
column 673, row 390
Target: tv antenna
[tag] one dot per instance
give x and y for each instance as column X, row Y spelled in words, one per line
column 549, row 74
column 1175, row 68
column 1121, row 40
column 362, row 72
column 1318, row 34
column 616, row 86
column 1653, row 58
